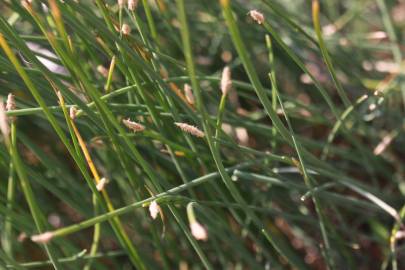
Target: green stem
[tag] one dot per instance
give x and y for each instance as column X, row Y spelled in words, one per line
column 325, row 54
column 277, row 243
column 123, row 210
column 36, row 213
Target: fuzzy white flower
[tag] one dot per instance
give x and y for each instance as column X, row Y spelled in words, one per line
column 386, row 141
column 257, row 16
column 102, row 70
column 190, row 129
column 132, row 4
column 154, row 209
column 226, row 82
column 136, row 127
column 121, row 3
column 101, row 184
column 42, row 238
column 4, row 126
column 10, row 104
column 125, row 29
column 198, row 231
column 72, row 112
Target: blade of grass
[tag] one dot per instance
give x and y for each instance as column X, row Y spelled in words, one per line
column 325, row 54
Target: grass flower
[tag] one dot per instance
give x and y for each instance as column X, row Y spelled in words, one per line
column 385, row 142
column 42, row 238
column 121, row 3
column 189, row 94
column 154, row 209
column 10, row 104
column 72, row 112
column 102, row 70
column 132, row 4
column 256, row 16
column 101, row 184
column 4, row 126
column 136, row 127
column 125, row 29
column 198, row 231
column 226, row 82
column 190, row 129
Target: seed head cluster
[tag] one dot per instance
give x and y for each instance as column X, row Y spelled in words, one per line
column 226, row 82
column 136, row 127
column 190, row 129
column 256, row 16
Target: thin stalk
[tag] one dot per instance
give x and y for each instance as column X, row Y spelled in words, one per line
column 220, row 114
column 96, row 236
column 7, row 233
column 35, row 210
column 308, row 180
column 274, row 89
column 277, row 243
column 71, row 259
column 325, row 54
column 126, row 209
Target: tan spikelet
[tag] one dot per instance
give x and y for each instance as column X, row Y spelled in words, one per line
column 190, row 129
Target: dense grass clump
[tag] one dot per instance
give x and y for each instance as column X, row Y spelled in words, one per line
column 161, row 134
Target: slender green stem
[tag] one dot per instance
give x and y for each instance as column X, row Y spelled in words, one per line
column 30, row 197
column 71, row 259
column 123, row 210
column 221, row 110
column 325, row 54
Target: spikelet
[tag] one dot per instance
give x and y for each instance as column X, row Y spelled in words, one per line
column 136, row 127
column 100, row 185
column 154, row 209
column 42, row 238
column 72, row 112
column 102, row 70
column 190, row 129
column 198, row 231
column 256, row 16
column 125, row 29
column 189, row 94
column 132, row 4
column 121, row 3
column 386, row 141
column 4, row 126
column 26, row 4
column 22, row 237
column 10, row 104
column 226, row 82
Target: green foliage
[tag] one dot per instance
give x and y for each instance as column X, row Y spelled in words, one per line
column 300, row 164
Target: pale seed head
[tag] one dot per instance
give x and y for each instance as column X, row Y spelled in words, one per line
column 226, row 82
column 190, row 129
column 198, row 231
column 121, row 3
column 4, row 126
column 10, row 104
column 386, row 141
column 72, row 112
column 102, row 70
column 101, row 184
column 126, row 30
column 132, row 4
column 42, row 238
column 257, row 16
column 189, row 94
column 22, row 237
column 154, row 209
column 136, row 127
